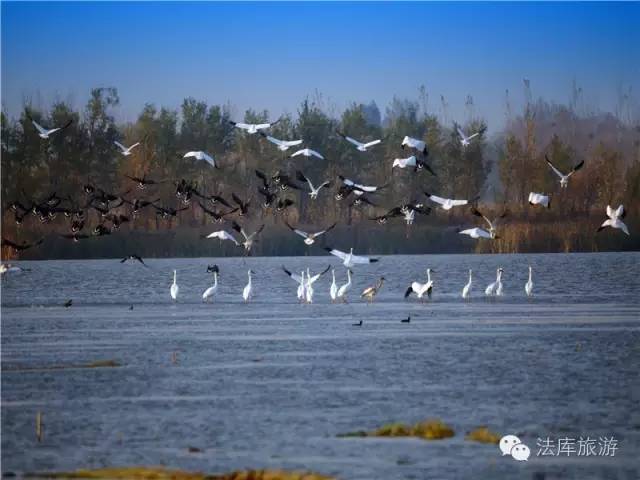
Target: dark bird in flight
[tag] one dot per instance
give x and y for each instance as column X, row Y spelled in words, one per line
column 22, row 247
column 133, row 258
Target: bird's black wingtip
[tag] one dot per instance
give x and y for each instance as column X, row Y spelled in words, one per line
column 374, row 260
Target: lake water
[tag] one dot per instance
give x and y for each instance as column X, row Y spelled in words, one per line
column 271, row 383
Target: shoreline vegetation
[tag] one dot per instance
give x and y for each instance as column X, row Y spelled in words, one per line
column 501, row 169
column 162, row 473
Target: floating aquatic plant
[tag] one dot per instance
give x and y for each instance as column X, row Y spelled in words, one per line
column 483, row 435
column 428, row 430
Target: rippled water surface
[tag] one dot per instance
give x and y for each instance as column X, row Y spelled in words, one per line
column 271, row 383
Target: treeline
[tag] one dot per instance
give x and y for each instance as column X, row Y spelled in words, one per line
column 501, row 170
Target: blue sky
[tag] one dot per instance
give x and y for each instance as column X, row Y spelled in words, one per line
column 271, row 55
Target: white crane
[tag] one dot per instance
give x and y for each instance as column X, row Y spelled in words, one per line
column 466, row 291
column 495, row 288
column 528, row 287
column 174, row 287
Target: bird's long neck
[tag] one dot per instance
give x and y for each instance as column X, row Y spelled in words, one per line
column 249, row 273
column 529, row 273
column 333, row 275
column 348, row 277
column 174, row 276
column 499, row 276
column 428, row 276
column 469, row 276
column 215, row 279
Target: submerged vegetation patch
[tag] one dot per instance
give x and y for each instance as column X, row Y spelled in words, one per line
column 96, row 364
column 159, row 473
column 483, row 435
column 427, row 430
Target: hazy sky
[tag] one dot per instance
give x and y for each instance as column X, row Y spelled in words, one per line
column 271, row 55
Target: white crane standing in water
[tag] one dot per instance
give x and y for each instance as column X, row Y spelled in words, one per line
column 528, row 287
column 344, row 289
column 495, row 288
column 174, row 287
column 247, row 292
column 466, row 291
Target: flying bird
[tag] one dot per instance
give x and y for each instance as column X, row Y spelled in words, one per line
column 464, row 140
column 615, row 219
column 309, row 238
column 564, row 179
column 412, row 162
column 349, row 259
column 307, row 152
column 249, row 240
column 20, row 247
column 416, row 144
column 283, row 145
column 358, row 188
column 244, row 206
column 44, row 133
column 223, row 235
column 539, row 199
column 253, row 127
column 360, row 146
column 199, row 155
column 313, row 191
column 133, row 257
column 446, row 203
column 126, row 151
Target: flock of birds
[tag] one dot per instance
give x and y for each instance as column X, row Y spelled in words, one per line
column 272, row 187
column 339, row 293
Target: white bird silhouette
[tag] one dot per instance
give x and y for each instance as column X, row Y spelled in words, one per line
column 539, row 199
column 174, row 287
column 362, row 147
column 223, row 235
column 446, row 203
column 333, row 289
column 283, row 145
column 564, row 179
column 614, row 220
column 464, row 140
column 199, row 155
column 495, row 288
column 247, row 292
column 344, row 289
column 313, row 191
column 349, row 259
column 466, row 291
column 416, row 144
column 528, row 287
column 421, row 288
column 44, row 133
column 126, row 151
column 212, row 290
column 252, row 127
column 309, row 238
column 307, row 152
